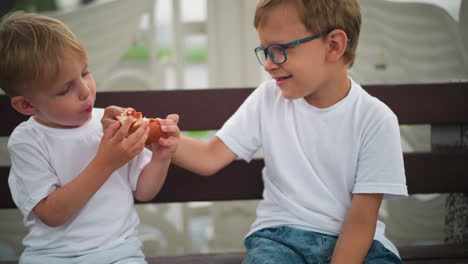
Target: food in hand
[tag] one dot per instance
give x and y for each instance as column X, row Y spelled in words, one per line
column 155, row 130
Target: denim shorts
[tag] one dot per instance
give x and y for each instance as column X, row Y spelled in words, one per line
column 286, row 244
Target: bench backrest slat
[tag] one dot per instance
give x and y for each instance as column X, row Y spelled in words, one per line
column 444, row 103
column 426, row 173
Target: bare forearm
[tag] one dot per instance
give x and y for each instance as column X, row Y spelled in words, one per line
column 67, row 200
column 358, row 229
column 353, row 243
column 204, row 158
column 151, row 180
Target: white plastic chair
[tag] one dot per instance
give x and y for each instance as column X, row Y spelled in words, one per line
column 106, row 29
column 408, row 42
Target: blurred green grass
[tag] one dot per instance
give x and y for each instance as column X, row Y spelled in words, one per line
column 139, row 52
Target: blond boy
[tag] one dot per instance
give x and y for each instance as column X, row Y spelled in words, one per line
column 74, row 183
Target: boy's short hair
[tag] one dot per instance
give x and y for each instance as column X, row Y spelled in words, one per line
column 321, row 16
column 32, row 47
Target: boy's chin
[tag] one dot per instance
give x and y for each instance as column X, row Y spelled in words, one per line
column 290, row 96
column 82, row 122
column 87, row 120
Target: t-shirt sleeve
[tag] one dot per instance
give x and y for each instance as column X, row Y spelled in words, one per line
column 136, row 165
column 380, row 165
column 31, row 177
column 241, row 133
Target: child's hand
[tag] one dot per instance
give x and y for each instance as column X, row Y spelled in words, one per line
column 167, row 145
column 109, row 115
column 117, row 147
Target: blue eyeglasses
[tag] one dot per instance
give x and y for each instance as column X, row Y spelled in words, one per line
column 277, row 51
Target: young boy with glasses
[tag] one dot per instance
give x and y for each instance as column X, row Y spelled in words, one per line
column 332, row 152
column 74, row 183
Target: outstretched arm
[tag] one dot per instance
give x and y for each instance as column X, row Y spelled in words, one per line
column 204, row 158
column 154, row 174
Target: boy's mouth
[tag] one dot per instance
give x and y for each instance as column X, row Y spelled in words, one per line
column 281, row 80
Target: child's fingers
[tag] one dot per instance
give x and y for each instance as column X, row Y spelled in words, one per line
column 166, row 142
column 170, row 130
column 173, row 117
column 162, row 141
column 123, row 131
column 136, row 144
column 168, row 126
column 138, row 138
column 113, row 110
column 167, row 121
column 110, row 131
column 109, row 115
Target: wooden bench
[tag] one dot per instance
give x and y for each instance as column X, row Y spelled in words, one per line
column 444, row 171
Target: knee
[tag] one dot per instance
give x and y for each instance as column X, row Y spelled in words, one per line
column 253, row 258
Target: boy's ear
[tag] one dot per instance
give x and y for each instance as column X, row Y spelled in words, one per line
column 337, row 43
column 22, row 105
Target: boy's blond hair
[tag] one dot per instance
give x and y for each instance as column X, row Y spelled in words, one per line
column 321, row 16
column 32, row 47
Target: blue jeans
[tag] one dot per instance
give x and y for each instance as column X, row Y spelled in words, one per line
column 286, row 244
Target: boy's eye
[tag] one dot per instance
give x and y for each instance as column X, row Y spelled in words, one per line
column 64, row 91
column 85, row 73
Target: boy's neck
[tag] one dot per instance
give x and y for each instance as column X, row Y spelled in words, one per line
column 56, row 126
column 331, row 92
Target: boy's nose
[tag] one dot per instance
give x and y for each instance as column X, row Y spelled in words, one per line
column 269, row 64
column 84, row 91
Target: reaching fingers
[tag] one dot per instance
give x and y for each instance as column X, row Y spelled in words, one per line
column 172, row 131
column 167, row 123
column 169, row 127
column 167, row 142
column 173, row 117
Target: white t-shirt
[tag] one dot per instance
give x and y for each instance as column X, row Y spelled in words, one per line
column 315, row 159
column 44, row 159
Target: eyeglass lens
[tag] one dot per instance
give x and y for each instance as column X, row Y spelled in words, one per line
column 276, row 52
